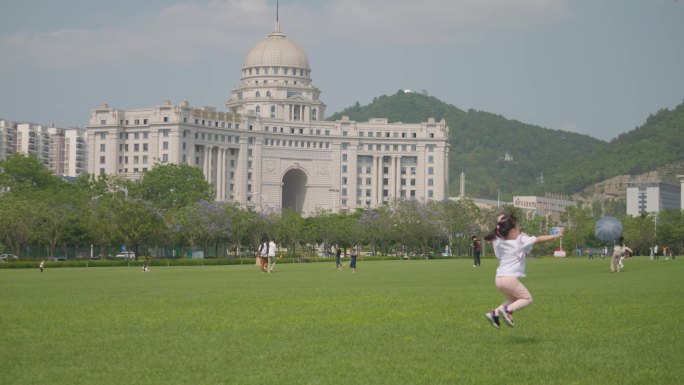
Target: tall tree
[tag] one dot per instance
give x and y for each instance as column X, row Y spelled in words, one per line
column 174, row 185
column 21, row 172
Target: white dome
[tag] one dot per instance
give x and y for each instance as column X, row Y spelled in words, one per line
column 276, row 51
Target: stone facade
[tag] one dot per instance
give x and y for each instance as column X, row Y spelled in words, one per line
column 273, row 149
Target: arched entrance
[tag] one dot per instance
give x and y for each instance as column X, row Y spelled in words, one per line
column 294, row 190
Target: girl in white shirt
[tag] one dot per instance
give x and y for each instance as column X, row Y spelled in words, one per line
column 510, row 247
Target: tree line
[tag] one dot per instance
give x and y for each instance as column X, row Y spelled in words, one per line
column 170, row 210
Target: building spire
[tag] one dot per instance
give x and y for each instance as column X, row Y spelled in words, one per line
column 276, row 28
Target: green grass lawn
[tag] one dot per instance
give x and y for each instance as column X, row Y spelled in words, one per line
column 391, row 322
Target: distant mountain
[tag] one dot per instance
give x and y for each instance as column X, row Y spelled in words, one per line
column 656, row 147
column 496, row 154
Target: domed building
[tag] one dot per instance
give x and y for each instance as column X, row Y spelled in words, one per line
column 276, row 83
column 272, row 149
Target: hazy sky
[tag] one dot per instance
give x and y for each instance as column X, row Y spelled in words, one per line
column 598, row 67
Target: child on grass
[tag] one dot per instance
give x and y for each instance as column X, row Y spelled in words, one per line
column 622, row 252
column 510, row 248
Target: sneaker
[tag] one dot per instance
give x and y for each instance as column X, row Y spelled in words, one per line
column 507, row 317
column 493, row 319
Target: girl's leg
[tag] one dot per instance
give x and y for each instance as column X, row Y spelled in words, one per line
column 517, row 295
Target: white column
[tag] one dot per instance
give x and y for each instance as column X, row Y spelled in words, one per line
column 241, row 173
column 220, row 174
column 396, row 160
column 205, row 164
column 378, row 178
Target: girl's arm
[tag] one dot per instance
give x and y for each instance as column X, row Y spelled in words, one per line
column 546, row 238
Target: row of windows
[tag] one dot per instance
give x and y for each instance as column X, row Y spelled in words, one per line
column 165, row 119
column 296, row 130
column 276, row 71
column 296, row 143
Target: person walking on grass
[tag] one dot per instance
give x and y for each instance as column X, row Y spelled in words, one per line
column 354, row 253
column 42, row 265
column 262, row 258
column 271, row 255
column 477, row 248
column 510, row 248
column 619, row 251
column 338, row 257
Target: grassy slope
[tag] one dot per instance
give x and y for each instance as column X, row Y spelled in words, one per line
column 392, row 322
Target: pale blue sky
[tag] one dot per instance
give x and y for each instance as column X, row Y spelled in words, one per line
column 597, row 67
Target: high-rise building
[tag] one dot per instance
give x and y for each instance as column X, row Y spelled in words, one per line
column 8, row 141
column 648, row 196
column 272, row 148
column 61, row 150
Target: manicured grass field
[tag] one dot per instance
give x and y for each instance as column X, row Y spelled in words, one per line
column 391, row 322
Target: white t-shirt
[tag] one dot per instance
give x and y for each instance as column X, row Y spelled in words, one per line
column 271, row 249
column 511, row 255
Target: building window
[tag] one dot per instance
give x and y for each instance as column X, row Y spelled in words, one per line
column 102, row 160
column 431, row 159
column 431, row 171
column 136, row 147
column 102, row 147
column 430, row 182
column 145, row 147
column 430, row 194
column 103, row 122
column 166, row 119
column 165, row 158
column 165, row 145
column 344, row 180
column 344, row 157
column 103, row 135
column 344, row 168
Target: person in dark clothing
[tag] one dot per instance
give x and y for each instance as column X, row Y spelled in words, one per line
column 477, row 248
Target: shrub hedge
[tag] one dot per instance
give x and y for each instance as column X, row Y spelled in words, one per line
column 189, row 262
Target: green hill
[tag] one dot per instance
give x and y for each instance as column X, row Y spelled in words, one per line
column 480, row 141
column 543, row 160
column 658, row 145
